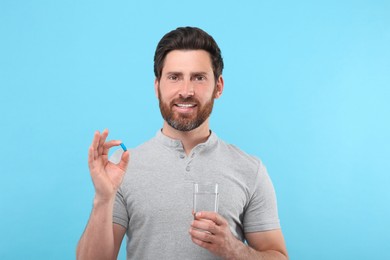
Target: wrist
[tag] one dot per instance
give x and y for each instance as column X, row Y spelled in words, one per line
column 239, row 250
column 99, row 201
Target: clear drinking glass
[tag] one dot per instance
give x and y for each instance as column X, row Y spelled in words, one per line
column 205, row 197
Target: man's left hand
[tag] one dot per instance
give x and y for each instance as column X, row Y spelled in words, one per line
column 211, row 231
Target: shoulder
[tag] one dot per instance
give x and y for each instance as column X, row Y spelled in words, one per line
column 238, row 156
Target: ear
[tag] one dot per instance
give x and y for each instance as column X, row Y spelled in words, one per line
column 156, row 83
column 219, row 87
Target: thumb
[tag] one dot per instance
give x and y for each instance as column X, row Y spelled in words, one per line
column 124, row 160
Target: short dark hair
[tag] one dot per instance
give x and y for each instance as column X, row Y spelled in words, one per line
column 188, row 38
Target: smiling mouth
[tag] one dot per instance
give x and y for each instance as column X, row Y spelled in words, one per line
column 185, row 108
column 185, row 105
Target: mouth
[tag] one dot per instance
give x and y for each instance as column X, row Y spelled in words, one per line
column 185, row 107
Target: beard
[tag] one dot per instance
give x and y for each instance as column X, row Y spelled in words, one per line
column 182, row 121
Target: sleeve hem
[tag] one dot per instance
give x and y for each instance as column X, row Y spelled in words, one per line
column 119, row 221
column 262, row 227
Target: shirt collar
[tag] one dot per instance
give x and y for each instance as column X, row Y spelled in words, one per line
column 176, row 144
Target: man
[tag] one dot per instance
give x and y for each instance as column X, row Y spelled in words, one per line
column 148, row 197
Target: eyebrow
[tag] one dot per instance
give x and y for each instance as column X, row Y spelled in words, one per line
column 181, row 73
column 199, row 73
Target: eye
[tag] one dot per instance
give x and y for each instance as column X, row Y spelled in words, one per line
column 173, row 77
column 199, row 78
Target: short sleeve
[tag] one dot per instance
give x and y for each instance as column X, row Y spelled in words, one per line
column 120, row 215
column 261, row 213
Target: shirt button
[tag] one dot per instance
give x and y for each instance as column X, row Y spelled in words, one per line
column 182, row 156
column 188, row 168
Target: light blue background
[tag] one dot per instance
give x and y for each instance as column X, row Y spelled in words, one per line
column 307, row 90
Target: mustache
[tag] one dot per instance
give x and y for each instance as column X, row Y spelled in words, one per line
column 185, row 100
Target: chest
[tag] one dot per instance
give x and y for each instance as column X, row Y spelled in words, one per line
column 162, row 199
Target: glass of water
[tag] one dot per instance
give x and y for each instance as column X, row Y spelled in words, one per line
column 205, row 197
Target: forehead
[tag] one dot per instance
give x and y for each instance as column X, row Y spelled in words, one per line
column 187, row 60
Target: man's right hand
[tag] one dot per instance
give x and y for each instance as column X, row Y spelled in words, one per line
column 106, row 176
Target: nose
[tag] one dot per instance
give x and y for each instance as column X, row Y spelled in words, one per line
column 187, row 89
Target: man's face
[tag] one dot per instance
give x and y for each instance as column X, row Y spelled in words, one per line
column 187, row 89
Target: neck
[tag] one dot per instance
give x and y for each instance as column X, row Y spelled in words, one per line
column 189, row 139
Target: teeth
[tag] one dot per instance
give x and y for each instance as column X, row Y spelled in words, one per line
column 185, row 105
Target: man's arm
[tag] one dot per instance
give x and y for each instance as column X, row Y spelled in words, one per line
column 219, row 240
column 266, row 245
column 101, row 238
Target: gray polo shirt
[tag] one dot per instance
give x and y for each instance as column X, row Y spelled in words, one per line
column 154, row 202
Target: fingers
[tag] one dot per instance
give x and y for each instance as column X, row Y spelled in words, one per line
column 208, row 222
column 108, row 145
column 205, row 225
column 124, row 160
column 92, row 152
column 201, row 235
column 213, row 216
column 99, row 146
column 102, row 140
column 211, row 231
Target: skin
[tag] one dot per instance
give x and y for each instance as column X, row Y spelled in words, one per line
column 219, row 240
column 101, row 239
column 186, row 73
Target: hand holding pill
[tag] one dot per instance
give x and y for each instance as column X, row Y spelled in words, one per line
column 106, row 176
